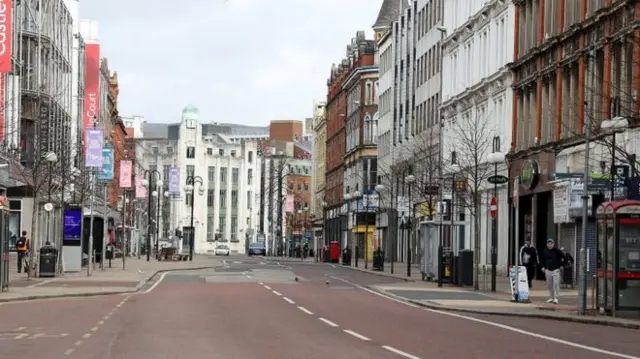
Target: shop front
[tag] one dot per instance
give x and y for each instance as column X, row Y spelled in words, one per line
column 532, row 203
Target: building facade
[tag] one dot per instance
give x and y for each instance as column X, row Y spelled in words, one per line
column 226, row 204
column 319, row 126
column 335, row 210
column 477, row 46
column 360, row 158
column 575, row 63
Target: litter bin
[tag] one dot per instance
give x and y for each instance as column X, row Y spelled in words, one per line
column 346, row 257
column 48, row 261
column 378, row 260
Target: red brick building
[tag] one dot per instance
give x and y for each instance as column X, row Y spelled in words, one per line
column 551, row 102
column 336, row 110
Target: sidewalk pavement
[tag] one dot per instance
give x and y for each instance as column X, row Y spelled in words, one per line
column 115, row 280
column 288, row 259
column 466, row 300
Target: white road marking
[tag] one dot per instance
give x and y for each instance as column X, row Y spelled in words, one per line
column 288, row 300
column 400, row 352
column 78, row 343
column 305, row 310
column 106, row 317
column 69, row 351
column 94, row 329
column 19, row 329
column 327, row 321
column 333, row 265
column 101, row 322
column 86, row 335
column 276, row 293
column 267, row 287
column 21, row 336
column 496, row 325
column 359, row 336
column 156, row 283
column 248, row 276
column 260, row 283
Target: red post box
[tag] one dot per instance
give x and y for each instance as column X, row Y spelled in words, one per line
column 334, row 248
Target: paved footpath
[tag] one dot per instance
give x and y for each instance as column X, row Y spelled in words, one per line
column 113, row 280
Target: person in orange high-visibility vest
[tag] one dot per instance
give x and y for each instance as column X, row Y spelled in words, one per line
column 22, row 247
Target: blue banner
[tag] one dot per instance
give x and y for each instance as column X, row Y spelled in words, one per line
column 106, row 172
column 72, row 224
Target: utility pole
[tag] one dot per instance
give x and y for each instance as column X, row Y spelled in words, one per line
column 582, row 285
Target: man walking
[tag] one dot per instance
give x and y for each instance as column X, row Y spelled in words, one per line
column 22, row 248
column 529, row 259
column 552, row 260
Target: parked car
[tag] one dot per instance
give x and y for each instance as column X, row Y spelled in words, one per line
column 222, row 250
column 257, row 249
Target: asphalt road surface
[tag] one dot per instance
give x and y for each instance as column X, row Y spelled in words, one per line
column 251, row 308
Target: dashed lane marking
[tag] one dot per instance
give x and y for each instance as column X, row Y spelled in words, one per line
column 327, row 321
column 305, row 310
column 267, row 287
column 495, row 325
column 288, row 300
column 357, row 335
column 400, row 352
column 69, row 351
column 276, row 293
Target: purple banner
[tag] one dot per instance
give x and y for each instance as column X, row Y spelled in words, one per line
column 95, row 142
column 174, row 180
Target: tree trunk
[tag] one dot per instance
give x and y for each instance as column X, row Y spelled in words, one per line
column 34, row 235
column 476, row 241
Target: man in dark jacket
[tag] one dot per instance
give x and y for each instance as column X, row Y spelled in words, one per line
column 552, row 260
column 22, row 248
column 529, row 259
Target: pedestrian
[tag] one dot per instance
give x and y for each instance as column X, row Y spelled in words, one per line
column 22, row 248
column 529, row 259
column 552, row 261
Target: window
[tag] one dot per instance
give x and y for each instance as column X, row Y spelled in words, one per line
column 249, row 176
column 223, row 199
column 223, row 175
column 222, row 227
column 165, row 173
column 234, row 228
column 191, row 171
column 169, row 151
column 191, row 152
column 154, row 150
column 221, row 152
column 211, row 196
column 249, row 202
column 209, row 151
column 234, row 199
column 210, row 231
column 233, row 153
column 235, row 175
column 211, row 173
column 250, row 156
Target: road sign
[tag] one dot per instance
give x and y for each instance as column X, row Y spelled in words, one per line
column 497, row 179
column 493, row 208
column 516, row 188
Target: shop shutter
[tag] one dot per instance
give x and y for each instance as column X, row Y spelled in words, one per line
column 591, row 246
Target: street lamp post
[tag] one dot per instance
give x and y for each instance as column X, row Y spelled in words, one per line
column 410, row 180
column 150, row 176
column 379, row 189
column 495, row 157
column 190, row 187
column 356, row 197
column 347, row 199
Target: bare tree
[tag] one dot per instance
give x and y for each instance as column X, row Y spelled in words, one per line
column 469, row 140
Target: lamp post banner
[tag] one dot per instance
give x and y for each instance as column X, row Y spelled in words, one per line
column 174, row 180
column 95, row 143
column 125, row 173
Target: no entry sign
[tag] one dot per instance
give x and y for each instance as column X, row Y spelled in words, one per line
column 493, row 208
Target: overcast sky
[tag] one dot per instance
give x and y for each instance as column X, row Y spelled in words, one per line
column 240, row 61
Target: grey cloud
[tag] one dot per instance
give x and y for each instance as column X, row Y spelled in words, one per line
column 244, row 61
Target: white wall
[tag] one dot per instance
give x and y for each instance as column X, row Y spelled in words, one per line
column 477, row 99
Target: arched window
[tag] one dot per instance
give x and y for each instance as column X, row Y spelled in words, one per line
column 368, row 130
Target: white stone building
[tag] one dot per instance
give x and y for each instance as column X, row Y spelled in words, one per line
column 226, row 209
column 477, row 99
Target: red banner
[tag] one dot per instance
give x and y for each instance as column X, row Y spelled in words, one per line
column 6, row 27
column 91, row 84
